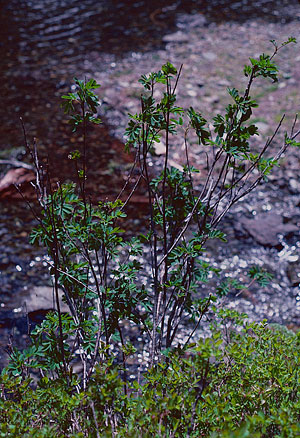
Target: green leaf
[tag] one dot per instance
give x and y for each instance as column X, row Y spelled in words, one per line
column 169, row 69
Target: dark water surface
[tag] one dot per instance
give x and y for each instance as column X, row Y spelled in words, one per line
column 43, row 44
column 43, row 32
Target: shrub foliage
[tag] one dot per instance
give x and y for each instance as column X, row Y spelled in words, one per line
column 242, row 379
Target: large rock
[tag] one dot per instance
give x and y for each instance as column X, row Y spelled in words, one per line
column 42, row 297
column 30, row 309
column 265, row 228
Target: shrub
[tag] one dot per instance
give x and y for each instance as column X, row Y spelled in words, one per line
column 245, row 386
column 191, row 390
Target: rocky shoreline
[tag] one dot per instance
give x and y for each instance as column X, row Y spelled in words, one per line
column 213, row 54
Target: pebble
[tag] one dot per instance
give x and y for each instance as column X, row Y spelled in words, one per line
column 160, row 148
column 209, row 56
column 263, row 128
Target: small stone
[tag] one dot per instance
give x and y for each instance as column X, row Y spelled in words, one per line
column 262, row 127
column 209, row 56
column 177, row 37
column 192, row 93
column 223, row 83
column 159, row 148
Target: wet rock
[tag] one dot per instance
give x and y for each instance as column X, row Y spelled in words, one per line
column 266, row 228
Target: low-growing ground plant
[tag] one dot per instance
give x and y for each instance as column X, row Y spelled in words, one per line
column 246, row 381
column 244, row 385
